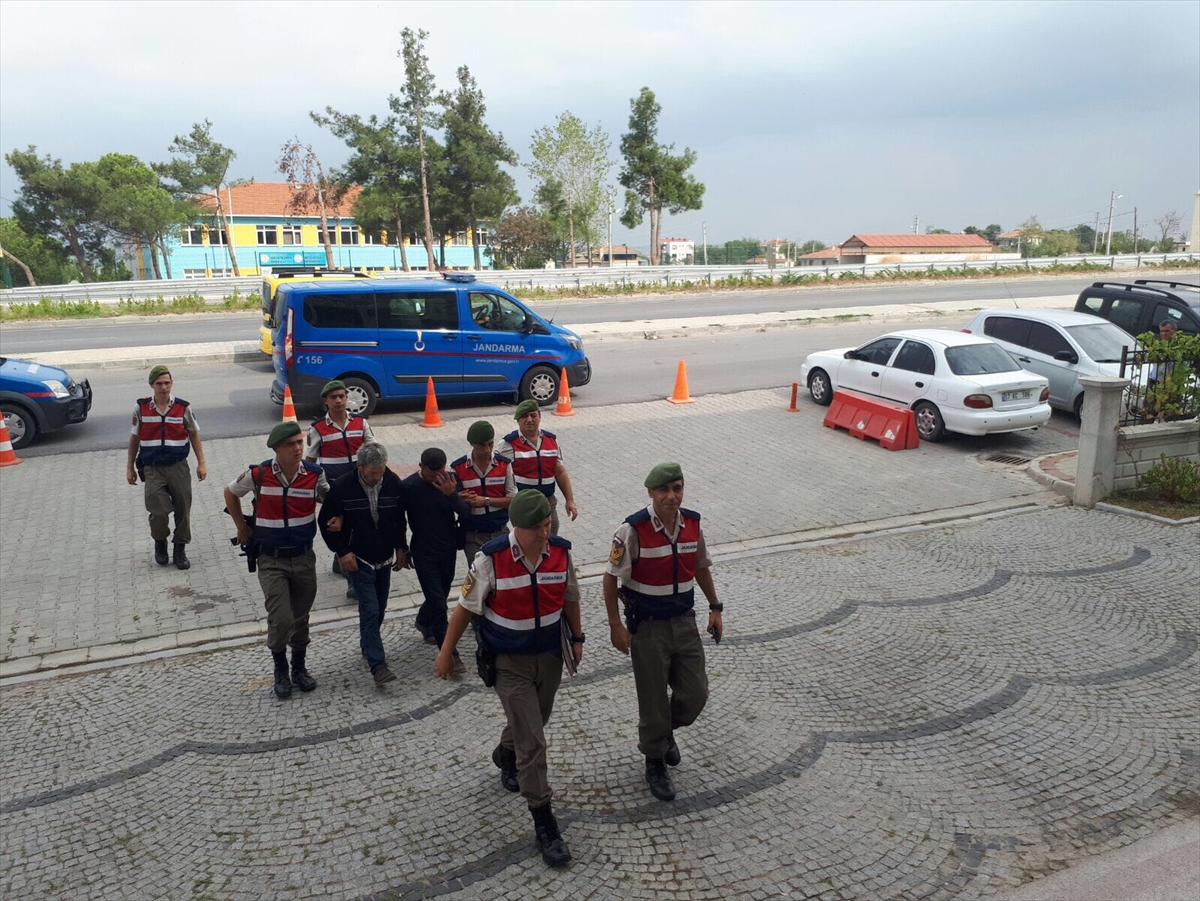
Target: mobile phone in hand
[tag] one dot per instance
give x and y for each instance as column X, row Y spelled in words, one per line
column 712, row 630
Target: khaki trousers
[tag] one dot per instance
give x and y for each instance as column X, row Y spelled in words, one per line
column 667, row 653
column 167, row 489
column 475, row 542
column 526, row 685
column 289, row 586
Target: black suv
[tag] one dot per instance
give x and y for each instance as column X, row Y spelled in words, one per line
column 1141, row 306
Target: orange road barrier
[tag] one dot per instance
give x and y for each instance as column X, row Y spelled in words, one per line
column 432, row 419
column 795, row 390
column 8, row 457
column 681, row 395
column 289, row 408
column 893, row 425
column 564, row 397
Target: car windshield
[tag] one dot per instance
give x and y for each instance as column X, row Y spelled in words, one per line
column 978, row 359
column 1102, row 341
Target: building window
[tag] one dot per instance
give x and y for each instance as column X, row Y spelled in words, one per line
column 267, row 234
column 460, row 237
column 291, row 234
column 368, row 238
column 217, row 236
column 192, row 236
column 348, row 234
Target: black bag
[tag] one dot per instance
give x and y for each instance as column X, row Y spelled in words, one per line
column 485, row 660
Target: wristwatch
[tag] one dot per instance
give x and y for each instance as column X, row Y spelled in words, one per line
column 717, row 608
column 576, row 639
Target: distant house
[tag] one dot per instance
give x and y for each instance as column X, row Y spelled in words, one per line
column 618, row 256
column 1012, row 240
column 827, row 257
column 906, row 248
column 677, row 250
column 267, row 233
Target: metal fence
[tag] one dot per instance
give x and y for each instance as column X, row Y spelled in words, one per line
column 1163, row 384
column 532, row 279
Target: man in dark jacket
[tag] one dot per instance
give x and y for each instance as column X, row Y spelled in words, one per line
column 434, row 509
column 362, row 522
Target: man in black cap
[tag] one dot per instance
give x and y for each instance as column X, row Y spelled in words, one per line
column 485, row 482
column 369, row 543
column 163, row 430
column 521, row 588
column 433, row 509
column 537, row 460
column 286, row 493
column 658, row 556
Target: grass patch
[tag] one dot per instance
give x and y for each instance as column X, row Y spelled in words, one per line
column 1137, row 499
column 50, row 308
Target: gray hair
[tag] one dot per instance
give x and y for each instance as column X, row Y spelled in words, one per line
column 372, row 455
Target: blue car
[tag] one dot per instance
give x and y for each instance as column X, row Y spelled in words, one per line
column 36, row 398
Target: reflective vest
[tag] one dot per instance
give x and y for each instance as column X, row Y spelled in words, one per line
column 285, row 515
column 521, row 616
column 338, row 445
column 491, row 486
column 662, row 575
column 163, row 437
column 533, row 467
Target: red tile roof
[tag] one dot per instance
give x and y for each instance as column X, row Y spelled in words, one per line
column 827, row 253
column 273, row 199
column 920, row 240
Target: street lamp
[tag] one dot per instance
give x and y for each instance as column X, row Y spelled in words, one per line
column 1112, row 198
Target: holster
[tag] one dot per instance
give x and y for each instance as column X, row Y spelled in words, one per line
column 140, row 466
column 633, row 619
column 485, row 659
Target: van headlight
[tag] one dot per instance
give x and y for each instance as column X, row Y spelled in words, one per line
column 574, row 343
column 59, row 389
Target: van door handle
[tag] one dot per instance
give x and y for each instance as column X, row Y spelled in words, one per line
column 449, row 337
column 1023, row 360
column 471, row 337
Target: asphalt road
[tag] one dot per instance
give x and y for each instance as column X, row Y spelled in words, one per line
column 232, row 399
column 30, row 339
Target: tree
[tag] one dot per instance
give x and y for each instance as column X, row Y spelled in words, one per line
column 474, row 154
column 992, row 232
column 937, row 231
column 60, row 203
column 653, row 178
column 811, row 247
column 135, row 209
column 38, row 258
column 1168, row 225
column 385, row 166
column 742, row 249
column 1055, row 243
column 200, row 165
column 1085, row 237
column 576, row 159
column 302, row 170
column 525, row 239
column 415, row 107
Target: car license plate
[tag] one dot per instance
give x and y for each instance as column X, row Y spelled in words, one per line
column 1015, row 395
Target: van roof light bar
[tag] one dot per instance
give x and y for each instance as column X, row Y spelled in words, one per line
column 463, row 278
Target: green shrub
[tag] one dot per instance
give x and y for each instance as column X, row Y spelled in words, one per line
column 1174, row 479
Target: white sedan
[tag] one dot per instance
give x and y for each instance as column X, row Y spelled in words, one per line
column 952, row 381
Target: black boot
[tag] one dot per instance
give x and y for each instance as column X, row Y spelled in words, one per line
column 659, row 779
column 160, row 553
column 672, row 756
column 181, row 560
column 300, row 675
column 549, row 839
column 506, row 760
column 283, row 685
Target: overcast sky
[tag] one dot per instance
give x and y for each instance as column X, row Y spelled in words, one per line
column 810, row 120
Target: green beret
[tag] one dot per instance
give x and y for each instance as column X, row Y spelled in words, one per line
column 662, row 474
column 525, row 406
column 335, row 385
column 480, row 432
column 282, row 433
column 158, row 370
column 529, row 508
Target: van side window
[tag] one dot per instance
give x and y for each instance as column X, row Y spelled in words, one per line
column 1162, row 311
column 1006, row 328
column 339, row 310
column 915, row 357
column 410, row 310
column 1127, row 313
column 496, row 313
column 1093, row 305
column 1045, row 340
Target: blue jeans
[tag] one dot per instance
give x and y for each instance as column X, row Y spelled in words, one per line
column 435, row 572
column 371, row 587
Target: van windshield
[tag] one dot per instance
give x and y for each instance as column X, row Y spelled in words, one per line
column 1101, row 341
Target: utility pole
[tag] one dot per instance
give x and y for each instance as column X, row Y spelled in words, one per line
column 704, row 238
column 1135, row 247
column 1112, row 199
column 611, row 210
column 916, row 228
column 1096, row 233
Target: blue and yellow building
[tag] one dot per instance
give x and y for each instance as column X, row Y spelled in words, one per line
column 268, row 233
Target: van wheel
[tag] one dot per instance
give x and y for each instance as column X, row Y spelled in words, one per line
column 540, row 384
column 22, row 427
column 361, row 397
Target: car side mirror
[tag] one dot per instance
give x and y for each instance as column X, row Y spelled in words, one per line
column 527, row 325
column 852, row 355
column 1067, row 356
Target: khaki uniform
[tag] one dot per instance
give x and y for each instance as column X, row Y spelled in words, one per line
column 168, row 489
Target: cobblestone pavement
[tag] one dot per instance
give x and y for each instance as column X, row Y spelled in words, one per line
column 80, row 583
column 937, row 713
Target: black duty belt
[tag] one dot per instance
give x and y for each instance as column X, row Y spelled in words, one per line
column 285, row 551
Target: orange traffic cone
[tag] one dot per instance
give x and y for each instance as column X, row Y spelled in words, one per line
column 432, row 419
column 8, row 457
column 795, row 390
column 289, row 408
column 564, row 397
column 681, row 395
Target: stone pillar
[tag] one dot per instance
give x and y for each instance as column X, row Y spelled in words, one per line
column 1097, row 460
